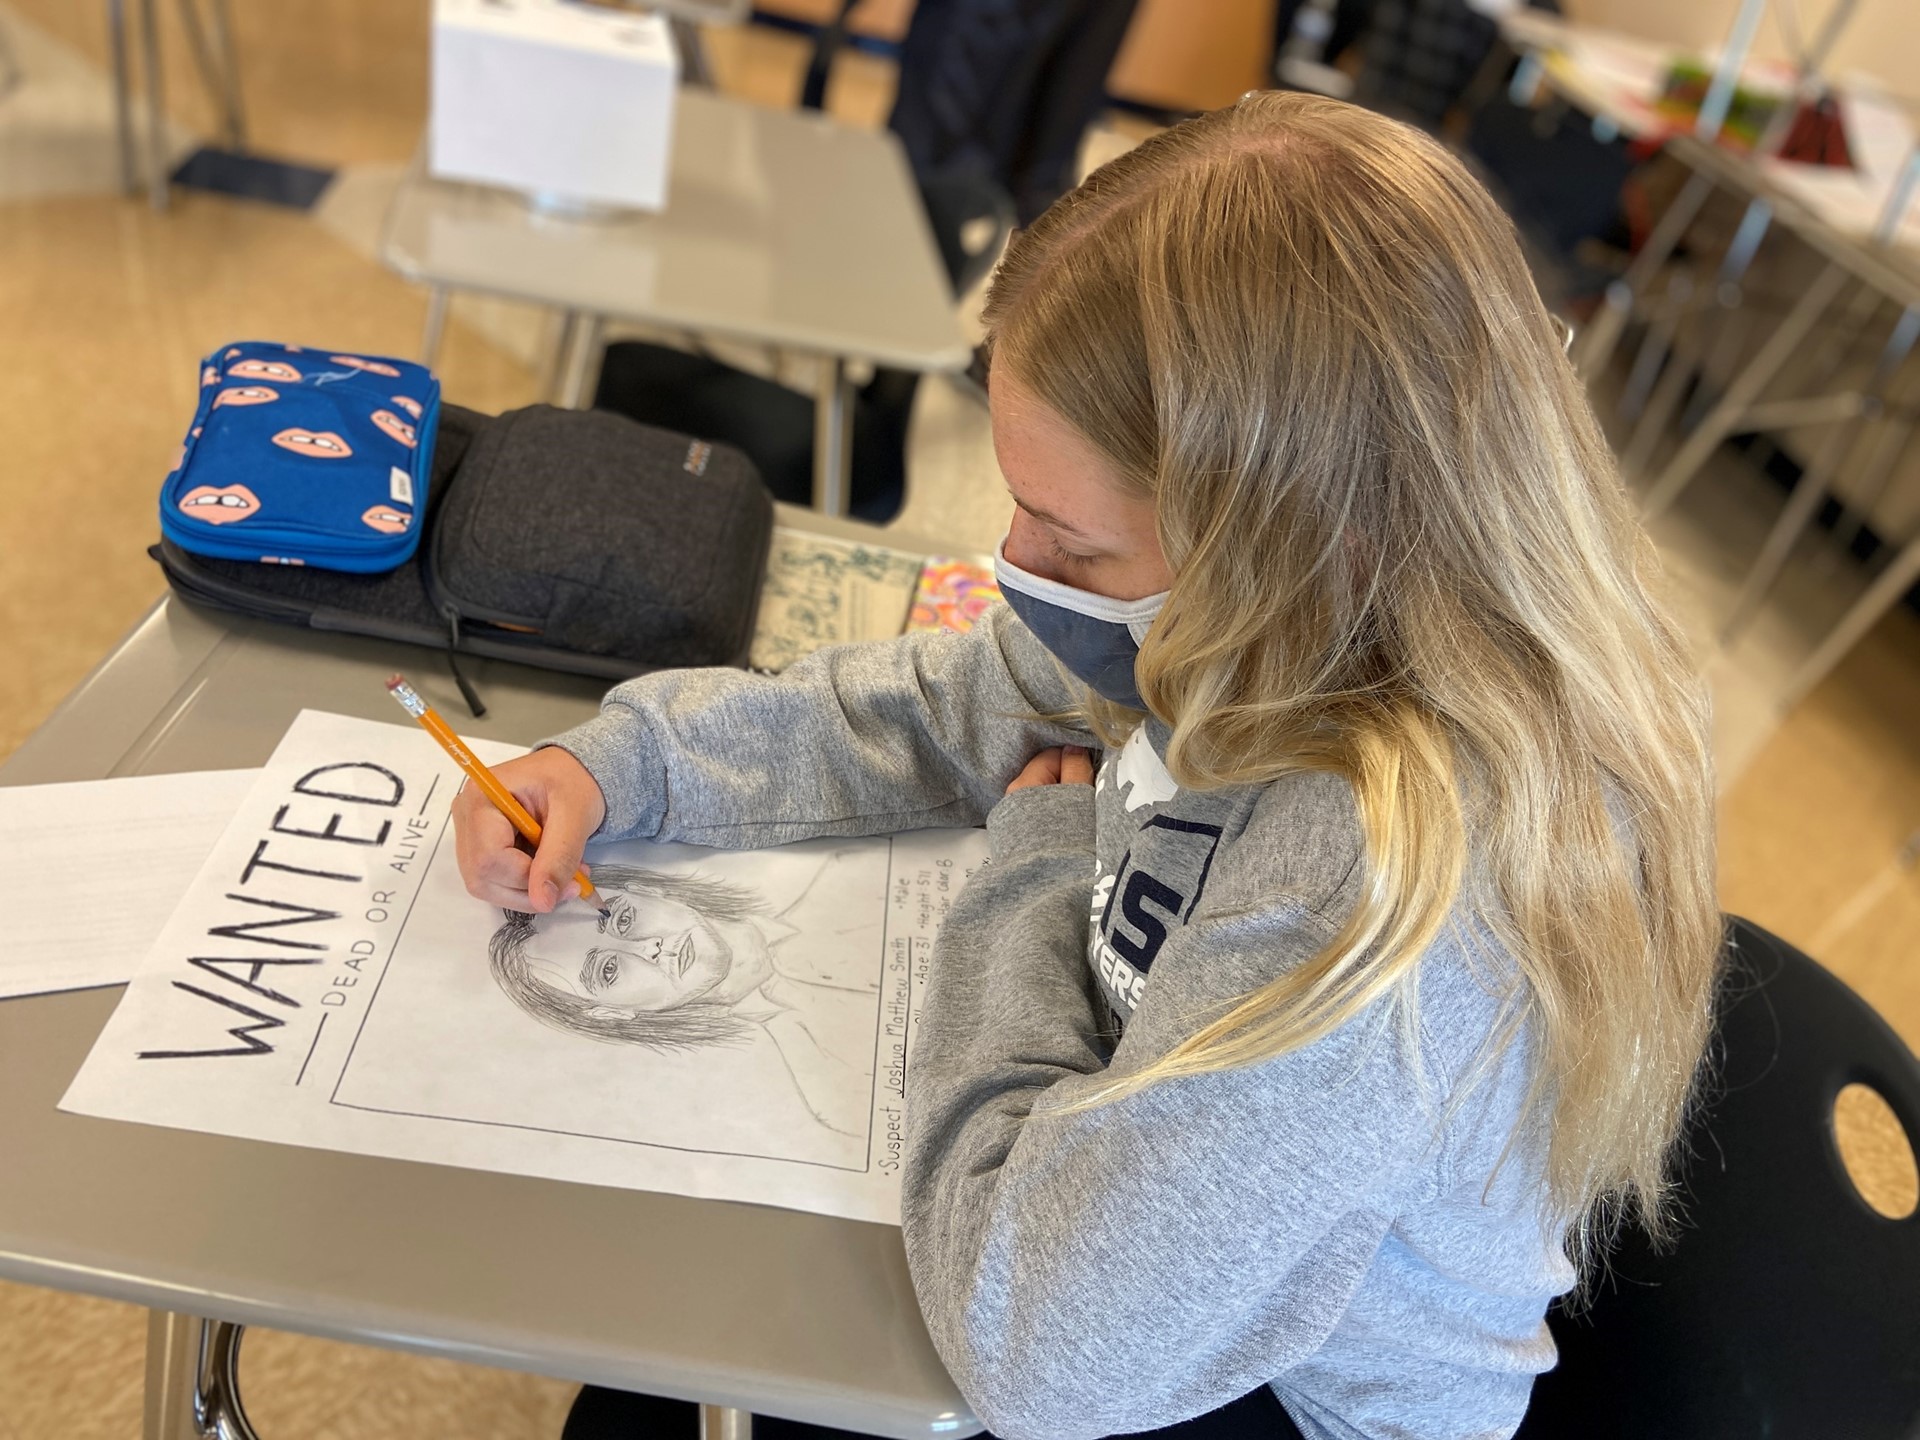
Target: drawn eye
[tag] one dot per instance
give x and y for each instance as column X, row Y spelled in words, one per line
column 623, row 922
column 609, row 970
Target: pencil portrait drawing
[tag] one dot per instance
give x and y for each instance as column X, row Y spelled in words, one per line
column 689, row 962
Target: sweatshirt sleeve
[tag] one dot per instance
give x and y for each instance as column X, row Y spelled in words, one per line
column 852, row 740
column 1125, row 1267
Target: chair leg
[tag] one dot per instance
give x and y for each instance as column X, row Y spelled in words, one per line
column 1725, row 417
column 1845, row 438
column 1656, row 346
column 1603, row 332
column 1802, row 505
column 1877, row 474
column 1722, row 318
column 1881, row 596
column 1656, row 416
column 1906, row 332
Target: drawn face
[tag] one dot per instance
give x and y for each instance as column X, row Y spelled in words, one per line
column 219, row 505
column 245, row 395
column 321, row 444
column 387, row 520
column 653, row 954
column 372, row 367
column 412, row 407
column 262, row 370
column 393, row 425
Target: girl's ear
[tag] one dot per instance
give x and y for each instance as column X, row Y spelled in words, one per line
column 607, row 1012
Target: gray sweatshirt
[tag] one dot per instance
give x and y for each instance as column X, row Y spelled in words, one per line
column 1337, row 1222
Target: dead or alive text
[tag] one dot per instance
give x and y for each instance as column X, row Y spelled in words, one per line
column 322, row 841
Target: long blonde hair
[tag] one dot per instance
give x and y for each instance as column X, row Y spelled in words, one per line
column 1402, row 553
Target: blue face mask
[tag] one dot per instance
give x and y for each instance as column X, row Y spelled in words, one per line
column 1094, row 637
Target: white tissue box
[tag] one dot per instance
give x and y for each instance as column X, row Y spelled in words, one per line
column 570, row 102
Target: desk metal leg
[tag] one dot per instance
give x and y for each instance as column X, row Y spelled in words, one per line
column 717, row 1422
column 10, row 72
column 833, row 438
column 236, row 117
column 156, row 105
column 580, row 362
column 174, row 1344
column 695, row 68
column 562, row 352
column 438, row 298
column 1725, row 418
column 193, row 1380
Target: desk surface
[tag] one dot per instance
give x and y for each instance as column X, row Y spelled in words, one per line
column 742, row 1305
column 781, row 227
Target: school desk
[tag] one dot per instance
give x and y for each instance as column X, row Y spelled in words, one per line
column 781, row 227
column 730, row 1305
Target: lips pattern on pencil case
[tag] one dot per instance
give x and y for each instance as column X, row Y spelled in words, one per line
column 304, row 455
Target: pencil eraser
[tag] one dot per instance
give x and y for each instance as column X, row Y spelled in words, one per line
column 396, row 682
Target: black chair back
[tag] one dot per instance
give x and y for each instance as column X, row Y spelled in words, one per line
column 1788, row 1308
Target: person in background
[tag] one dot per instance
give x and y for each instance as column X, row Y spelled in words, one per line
column 1286, row 1060
column 1006, row 89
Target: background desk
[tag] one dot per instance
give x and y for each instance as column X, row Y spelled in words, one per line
column 740, row 1305
column 781, row 228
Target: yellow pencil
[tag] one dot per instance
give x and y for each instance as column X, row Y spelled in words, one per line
column 490, row 786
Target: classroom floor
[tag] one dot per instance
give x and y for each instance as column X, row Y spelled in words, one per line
column 105, row 306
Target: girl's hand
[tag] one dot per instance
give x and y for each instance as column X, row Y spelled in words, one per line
column 563, row 796
column 1057, row 765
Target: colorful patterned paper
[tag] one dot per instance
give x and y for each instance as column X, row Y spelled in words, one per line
column 952, row 595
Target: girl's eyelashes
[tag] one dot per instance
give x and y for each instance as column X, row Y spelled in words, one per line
column 1064, row 556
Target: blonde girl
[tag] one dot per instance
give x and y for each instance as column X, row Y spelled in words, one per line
column 1286, row 1059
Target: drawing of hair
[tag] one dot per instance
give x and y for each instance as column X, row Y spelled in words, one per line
column 690, row 1026
column 715, row 899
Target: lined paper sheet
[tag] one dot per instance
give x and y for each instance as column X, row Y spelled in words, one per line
column 90, row 871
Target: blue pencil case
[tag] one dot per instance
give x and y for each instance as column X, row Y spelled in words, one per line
column 298, row 456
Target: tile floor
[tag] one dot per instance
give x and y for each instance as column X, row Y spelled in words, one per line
column 104, row 307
